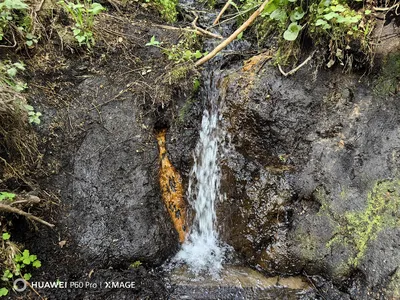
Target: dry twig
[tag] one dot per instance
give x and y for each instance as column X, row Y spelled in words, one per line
column 10, row 209
column 233, row 35
column 203, row 31
column 227, row 4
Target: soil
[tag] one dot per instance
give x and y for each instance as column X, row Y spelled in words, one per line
column 100, row 111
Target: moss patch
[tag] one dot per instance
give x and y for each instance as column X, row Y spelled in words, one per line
column 394, row 286
column 382, row 211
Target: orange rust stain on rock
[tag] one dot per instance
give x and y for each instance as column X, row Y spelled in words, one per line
column 171, row 189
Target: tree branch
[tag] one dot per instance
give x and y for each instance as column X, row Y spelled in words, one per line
column 233, row 35
column 10, row 209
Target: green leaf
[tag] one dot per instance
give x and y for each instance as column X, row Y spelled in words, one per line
column 320, row 22
column 28, row 107
column 198, row 54
column 29, row 43
column 196, row 84
column 6, row 195
column 80, row 38
column 153, row 42
column 15, row 4
column 26, row 261
column 367, row 12
column 32, row 257
column 3, row 292
column 240, row 35
column 96, row 8
column 12, row 71
column 279, row 15
column 7, row 275
column 6, row 236
column 27, row 276
column 17, row 258
column 76, row 31
column 338, row 8
column 330, row 16
column 297, row 14
column 19, row 65
column 269, row 8
column 292, row 32
column 37, row 264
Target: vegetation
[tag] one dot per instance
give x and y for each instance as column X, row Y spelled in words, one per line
column 342, row 26
column 167, row 9
column 16, row 23
column 83, row 16
column 182, row 51
column 14, row 263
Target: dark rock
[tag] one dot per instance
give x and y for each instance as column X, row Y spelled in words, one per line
column 116, row 209
column 307, row 174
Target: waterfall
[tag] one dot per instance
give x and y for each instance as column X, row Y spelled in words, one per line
column 201, row 251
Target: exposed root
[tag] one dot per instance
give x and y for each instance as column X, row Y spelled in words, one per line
column 291, row 72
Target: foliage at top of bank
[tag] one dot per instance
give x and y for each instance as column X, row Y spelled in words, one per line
column 341, row 27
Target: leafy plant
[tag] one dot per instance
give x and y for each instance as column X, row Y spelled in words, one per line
column 34, row 117
column 8, row 14
column 136, row 264
column 167, row 9
column 153, row 42
column 17, row 264
column 6, row 236
column 332, row 23
column 7, row 196
column 179, row 52
column 8, row 73
column 83, row 16
column 8, row 76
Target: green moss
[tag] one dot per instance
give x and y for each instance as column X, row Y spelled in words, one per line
column 388, row 80
column 168, row 10
column 178, row 74
column 394, row 286
column 184, row 111
column 382, row 211
column 308, row 245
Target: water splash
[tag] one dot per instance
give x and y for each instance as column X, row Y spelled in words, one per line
column 202, row 251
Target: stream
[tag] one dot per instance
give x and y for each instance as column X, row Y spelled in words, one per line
column 202, row 251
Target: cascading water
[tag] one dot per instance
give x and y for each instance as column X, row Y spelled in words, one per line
column 202, row 251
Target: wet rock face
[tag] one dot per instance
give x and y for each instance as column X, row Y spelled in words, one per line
column 310, row 179
column 116, row 209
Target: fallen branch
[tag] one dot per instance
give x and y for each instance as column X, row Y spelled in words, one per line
column 227, row 4
column 291, row 72
column 203, row 31
column 26, row 200
column 10, row 209
column 233, row 35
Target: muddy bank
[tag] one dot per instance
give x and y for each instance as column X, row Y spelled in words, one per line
column 101, row 111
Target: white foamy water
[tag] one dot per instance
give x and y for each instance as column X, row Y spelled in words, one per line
column 201, row 251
